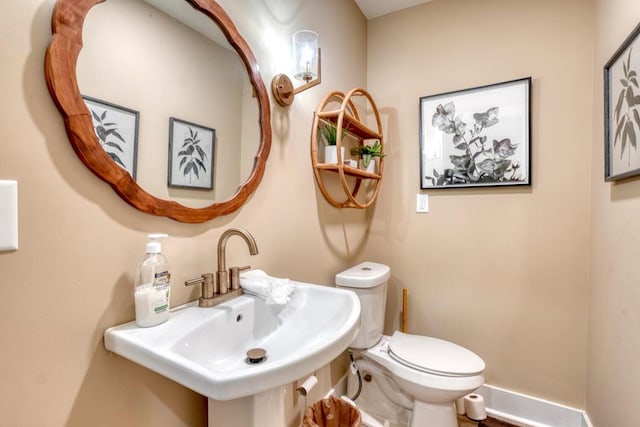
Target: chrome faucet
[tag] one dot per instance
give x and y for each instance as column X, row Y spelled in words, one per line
column 217, row 292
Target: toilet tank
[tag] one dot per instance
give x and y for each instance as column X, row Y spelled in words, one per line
column 369, row 281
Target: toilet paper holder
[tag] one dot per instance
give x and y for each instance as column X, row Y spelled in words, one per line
column 307, row 385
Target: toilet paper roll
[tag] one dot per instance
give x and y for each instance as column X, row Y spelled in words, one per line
column 307, row 385
column 474, row 406
column 460, row 406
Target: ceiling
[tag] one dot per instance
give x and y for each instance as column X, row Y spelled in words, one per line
column 374, row 8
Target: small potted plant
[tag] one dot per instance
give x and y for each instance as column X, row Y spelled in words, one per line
column 329, row 133
column 367, row 153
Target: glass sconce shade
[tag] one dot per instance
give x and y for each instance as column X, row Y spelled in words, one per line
column 307, row 68
column 305, row 55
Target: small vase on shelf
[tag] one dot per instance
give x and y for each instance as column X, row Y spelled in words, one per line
column 368, row 163
column 368, row 155
column 331, row 154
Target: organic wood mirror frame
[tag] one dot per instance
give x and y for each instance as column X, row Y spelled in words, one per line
column 60, row 72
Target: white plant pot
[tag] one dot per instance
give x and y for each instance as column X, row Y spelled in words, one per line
column 371, row 168
column 331, row 154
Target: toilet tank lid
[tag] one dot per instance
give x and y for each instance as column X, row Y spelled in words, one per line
column 364, row 275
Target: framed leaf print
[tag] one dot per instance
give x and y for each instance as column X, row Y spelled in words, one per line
column 117, row 130
column 478, row 137
column 191, row 155
column 622, row 110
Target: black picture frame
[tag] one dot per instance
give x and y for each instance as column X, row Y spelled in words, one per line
column 622, row 110
column 191, row 155
column 116, row 128
column 477, row 137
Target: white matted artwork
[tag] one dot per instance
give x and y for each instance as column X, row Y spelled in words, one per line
column 117, row 130
column 477, row 137
column 191, row 155
column 622, row 110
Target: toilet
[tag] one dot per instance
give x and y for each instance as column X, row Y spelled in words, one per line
column 422, row 376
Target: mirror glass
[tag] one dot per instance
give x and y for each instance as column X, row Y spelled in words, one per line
column 173, row 66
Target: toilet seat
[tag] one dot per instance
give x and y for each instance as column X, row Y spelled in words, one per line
column 434, row 356
column 420, row 384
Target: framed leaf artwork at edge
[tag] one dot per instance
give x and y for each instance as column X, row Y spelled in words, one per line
column 117, row 130
column 622, row 110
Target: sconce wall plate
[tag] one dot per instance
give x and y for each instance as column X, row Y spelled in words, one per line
column 282, row 89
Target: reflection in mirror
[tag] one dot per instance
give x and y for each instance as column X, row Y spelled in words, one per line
column 60, row 65
column 173, row 62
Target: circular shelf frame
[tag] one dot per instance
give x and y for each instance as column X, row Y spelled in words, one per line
column 346, row 118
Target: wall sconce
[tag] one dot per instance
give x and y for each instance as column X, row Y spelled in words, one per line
column 306, row 56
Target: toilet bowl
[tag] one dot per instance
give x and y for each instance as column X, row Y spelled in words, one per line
column 423, row 375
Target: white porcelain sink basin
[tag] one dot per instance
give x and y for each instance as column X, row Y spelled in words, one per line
column 204, row 349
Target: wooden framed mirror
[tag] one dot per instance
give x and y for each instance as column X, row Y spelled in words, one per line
column 60, row 71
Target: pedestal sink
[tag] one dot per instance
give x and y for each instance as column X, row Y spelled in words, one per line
column 205, row 349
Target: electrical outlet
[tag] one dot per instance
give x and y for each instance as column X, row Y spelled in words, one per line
column 422, row 203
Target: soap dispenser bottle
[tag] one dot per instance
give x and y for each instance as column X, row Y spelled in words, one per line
column 152, row 284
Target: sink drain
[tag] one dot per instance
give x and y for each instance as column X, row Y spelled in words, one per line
column 256, row 355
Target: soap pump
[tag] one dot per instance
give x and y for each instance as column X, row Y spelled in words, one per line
column 152, row 285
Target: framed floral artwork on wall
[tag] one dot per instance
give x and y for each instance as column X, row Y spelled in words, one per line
column 622, row 110
column 479, row 137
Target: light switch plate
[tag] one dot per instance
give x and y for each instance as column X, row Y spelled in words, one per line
column 8, row 215
column 422, row 203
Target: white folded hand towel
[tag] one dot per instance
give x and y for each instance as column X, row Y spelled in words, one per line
column 273, row 290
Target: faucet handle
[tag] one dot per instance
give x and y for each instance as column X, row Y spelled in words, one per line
column 207, row 282
column 235, row 276
column 192, row 282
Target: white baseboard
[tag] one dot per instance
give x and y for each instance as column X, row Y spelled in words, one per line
column 527, row 411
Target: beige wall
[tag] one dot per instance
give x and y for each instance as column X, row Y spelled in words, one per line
column 71, row 277
column 503, row 272
column 614, row 303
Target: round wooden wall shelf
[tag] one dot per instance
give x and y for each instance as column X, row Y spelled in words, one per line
column 348, row 124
